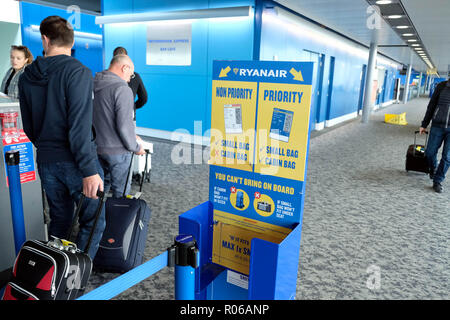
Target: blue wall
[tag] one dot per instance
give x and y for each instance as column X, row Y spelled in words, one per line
column 179, row 95
column 88, row 51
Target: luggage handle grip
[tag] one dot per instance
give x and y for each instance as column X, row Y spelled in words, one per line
column 102, row 200
column 415, row 137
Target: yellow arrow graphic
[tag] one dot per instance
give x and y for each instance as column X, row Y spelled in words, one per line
column 224, row 72
column 297, row 74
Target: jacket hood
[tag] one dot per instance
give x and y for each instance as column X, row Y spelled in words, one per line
column 107, row 79
column 39, row 71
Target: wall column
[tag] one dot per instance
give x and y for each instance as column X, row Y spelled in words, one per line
column 408, row 79
column 368, row 103
column 419, row 85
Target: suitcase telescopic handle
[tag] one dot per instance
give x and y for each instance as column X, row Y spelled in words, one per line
column 415, row 138
column 101, row 202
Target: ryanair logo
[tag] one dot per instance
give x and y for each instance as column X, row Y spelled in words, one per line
column 271, row 73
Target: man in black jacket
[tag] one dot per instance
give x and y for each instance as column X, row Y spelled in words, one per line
column 56, row 106
column 438, row 111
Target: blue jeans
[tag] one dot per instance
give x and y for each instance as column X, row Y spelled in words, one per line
column 63, row 184
column 116, row 169
column 435, row 140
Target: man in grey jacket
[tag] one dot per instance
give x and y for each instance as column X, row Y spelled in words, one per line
column 113, row 123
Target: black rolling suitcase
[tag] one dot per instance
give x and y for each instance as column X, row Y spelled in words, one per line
column 123, row 242
column 415, row 156
column 51, row 270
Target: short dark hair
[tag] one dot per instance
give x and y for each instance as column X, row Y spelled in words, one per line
column 58, row 30
column 120, row 50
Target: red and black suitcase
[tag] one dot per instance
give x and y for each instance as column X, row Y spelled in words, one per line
column 51, row 270
column 415, row 156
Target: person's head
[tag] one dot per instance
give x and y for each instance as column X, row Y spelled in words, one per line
column 56, row 32
column 122, row 66
column 120, row 50
column 20, row 56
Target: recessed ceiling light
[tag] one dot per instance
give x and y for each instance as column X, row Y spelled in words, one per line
column 408, row 34
column 394, row 16
column 402, row 27
column 412, row 40
column 418, row 48
column 383, row 2
column 415, row 45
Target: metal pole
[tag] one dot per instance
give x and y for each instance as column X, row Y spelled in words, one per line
column 368, row 103
column 419, row 85
column 184, row 283
column 406, row 91
column 186, row 260
column 12, row 159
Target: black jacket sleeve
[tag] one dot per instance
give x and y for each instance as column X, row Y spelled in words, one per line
column 141, row 93
column 432, row 104
column 80, row 108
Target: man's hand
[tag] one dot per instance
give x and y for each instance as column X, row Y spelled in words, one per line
column 141, row 151
column 91, row 184
column 422, row 130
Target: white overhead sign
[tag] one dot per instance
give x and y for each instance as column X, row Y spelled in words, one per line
column 169, row 45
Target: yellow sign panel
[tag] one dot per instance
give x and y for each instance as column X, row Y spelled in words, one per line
column 233, row 127
column 283, row 113
column 233, row 235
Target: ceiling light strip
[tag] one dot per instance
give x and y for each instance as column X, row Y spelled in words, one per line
column 226, row 12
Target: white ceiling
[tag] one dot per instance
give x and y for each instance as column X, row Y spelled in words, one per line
column 432, row 21
column 350, row 17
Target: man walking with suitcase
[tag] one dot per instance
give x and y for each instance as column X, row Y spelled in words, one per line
column 438, row 112
column 113, row 122
column 56, row 106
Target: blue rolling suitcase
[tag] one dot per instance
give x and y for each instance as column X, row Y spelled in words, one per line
column 123, row 242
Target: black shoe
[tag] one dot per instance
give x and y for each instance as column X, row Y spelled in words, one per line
column 437, row 187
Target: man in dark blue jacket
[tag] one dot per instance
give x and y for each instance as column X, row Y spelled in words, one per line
column 56, row 105
column 438, row 111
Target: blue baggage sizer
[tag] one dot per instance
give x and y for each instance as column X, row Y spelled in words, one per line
column 123, row 242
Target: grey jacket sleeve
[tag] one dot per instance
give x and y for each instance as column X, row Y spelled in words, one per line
column 124, row 118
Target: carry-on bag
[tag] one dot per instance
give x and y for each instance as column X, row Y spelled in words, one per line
column 52, row 270
column 123, row 242
column 415, row 156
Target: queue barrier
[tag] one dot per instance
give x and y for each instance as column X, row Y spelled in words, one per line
column 183, row 255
